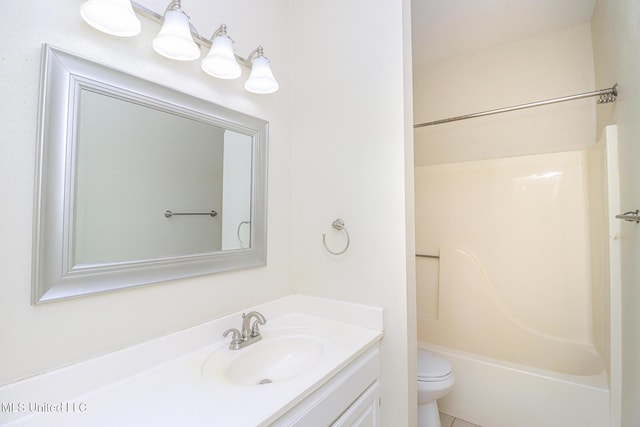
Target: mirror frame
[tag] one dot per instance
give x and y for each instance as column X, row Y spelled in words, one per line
column 63, row 76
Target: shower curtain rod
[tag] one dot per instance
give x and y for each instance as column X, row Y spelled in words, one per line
column 606, row 96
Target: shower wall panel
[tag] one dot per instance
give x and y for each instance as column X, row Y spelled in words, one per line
column 514, row 276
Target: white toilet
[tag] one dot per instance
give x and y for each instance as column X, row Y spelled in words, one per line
column 435, row 379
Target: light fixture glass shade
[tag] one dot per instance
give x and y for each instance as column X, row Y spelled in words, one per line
column 174, row 40
column 115, row 17
column 261, row 78
column 221, row 61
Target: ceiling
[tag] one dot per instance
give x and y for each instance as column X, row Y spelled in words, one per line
column 445, row 28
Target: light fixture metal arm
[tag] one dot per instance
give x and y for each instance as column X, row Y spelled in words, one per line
column 177, row 6
column 257, row 51
column 202, row 41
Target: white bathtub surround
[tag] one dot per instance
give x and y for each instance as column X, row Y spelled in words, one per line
column 524, row 298
column 472, row 318
column 517, row 238
column 161, row 382
column 492, row 392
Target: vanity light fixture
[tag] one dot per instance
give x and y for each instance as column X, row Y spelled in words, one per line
column 174, row 41
column 179, row 40
column 261, row 78
column 221, row 61
column 115, row 17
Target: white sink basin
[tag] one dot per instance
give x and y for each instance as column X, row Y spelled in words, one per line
column 279, row 356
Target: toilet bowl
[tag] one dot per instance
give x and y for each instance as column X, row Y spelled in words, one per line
column 435, row 380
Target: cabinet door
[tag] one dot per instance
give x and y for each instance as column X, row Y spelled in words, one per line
column 364, row 411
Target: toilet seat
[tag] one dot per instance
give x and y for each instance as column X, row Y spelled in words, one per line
column 432, row 367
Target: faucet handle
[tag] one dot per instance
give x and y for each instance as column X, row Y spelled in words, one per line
column 252, row 330
column 255, row 328
column 236, row 338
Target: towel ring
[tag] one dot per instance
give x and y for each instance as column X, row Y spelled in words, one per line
column 242, row 244
column 338, row 224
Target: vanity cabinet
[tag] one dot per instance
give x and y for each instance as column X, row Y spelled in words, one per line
column 350, row 399
column 364, row 411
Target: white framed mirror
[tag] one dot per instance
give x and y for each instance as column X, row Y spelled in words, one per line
column 137, row 183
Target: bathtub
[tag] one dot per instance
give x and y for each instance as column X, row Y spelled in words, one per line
column 518, row 286
column 495, row 393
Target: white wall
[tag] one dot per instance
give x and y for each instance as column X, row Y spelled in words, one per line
column 40, row 338
column 616, row 37
column 340, row 146
column 352, row 140
column 236, row 193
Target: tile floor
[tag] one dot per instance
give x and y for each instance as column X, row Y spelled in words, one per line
column 449, row 421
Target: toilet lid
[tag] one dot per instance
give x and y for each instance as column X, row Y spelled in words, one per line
column 431, row 366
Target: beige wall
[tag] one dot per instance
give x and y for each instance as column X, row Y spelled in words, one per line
column 550, row 66
column 616, row 40
column 340, row 138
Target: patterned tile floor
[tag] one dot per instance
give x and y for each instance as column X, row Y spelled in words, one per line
column 449, row 421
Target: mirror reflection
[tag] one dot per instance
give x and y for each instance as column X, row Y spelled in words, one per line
column 152, row 184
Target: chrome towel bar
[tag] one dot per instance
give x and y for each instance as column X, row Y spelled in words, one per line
column 633, row 216
column 428, row 256
column 169, row 214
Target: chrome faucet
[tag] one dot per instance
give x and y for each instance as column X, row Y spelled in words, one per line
column 249, row 333
column 252, row 332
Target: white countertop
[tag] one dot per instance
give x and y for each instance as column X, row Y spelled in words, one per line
column 160, row 383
